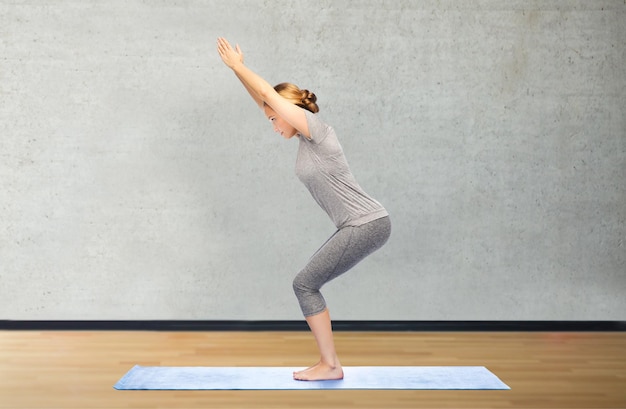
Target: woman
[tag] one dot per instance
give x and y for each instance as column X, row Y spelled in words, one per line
column 363, row 225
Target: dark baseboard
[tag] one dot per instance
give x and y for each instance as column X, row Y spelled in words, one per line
column 376, row 326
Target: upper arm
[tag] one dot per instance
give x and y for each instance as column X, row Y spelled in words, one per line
column 290, row 112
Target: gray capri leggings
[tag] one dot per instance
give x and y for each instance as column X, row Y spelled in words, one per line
column 342, row 251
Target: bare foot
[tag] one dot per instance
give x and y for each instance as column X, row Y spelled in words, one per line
column 297, row 373
column 319, row 372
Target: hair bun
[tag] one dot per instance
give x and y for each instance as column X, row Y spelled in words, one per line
column 309, row 101
column 300, row 97
column 308, row 96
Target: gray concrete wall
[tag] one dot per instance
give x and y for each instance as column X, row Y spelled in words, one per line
column 139, row 181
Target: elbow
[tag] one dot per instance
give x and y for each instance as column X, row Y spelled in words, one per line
column 265, row 91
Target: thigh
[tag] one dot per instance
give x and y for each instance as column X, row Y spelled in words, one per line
column 346, row 248
column 364, row 240
column 324, row 262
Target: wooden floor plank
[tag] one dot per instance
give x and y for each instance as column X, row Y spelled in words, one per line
column 77, row 369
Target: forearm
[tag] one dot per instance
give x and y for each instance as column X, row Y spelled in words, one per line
column 256, row 86
column 252, row 93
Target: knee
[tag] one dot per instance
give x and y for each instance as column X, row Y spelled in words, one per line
column 298, row 284
column 301, row 284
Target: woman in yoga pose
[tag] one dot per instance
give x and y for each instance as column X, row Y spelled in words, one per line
column 363, row 224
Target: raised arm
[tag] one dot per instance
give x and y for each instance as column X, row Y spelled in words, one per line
column 257, row 99
column 260, row 90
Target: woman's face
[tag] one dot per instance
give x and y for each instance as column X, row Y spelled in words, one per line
column 280, row 125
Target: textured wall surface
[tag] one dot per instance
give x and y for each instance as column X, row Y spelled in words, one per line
column 139, row 181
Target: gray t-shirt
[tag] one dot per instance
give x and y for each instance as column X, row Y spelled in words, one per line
column 322, row 167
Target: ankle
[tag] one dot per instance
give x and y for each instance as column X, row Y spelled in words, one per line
column 332, row 363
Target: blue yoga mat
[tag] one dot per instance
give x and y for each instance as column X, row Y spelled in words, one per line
column 281, row 378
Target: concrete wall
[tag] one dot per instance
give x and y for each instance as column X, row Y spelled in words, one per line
column 139, row 181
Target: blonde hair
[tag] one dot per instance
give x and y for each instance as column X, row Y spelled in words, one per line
column 300, row 97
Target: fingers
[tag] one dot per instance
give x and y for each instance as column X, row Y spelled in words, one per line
column 229, row 55
column 223, row 43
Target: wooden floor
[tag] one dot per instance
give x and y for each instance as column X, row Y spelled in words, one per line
column 544, row 370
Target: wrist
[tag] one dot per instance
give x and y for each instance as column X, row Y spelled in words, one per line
column 236, row 66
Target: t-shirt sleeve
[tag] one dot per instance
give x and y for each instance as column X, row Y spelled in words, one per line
column 317, row 129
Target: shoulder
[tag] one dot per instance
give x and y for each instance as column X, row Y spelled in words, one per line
column 318, row 129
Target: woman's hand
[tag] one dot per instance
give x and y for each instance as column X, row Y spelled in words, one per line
column 230, row 56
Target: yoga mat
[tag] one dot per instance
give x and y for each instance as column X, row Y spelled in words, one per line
column 281, row 378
